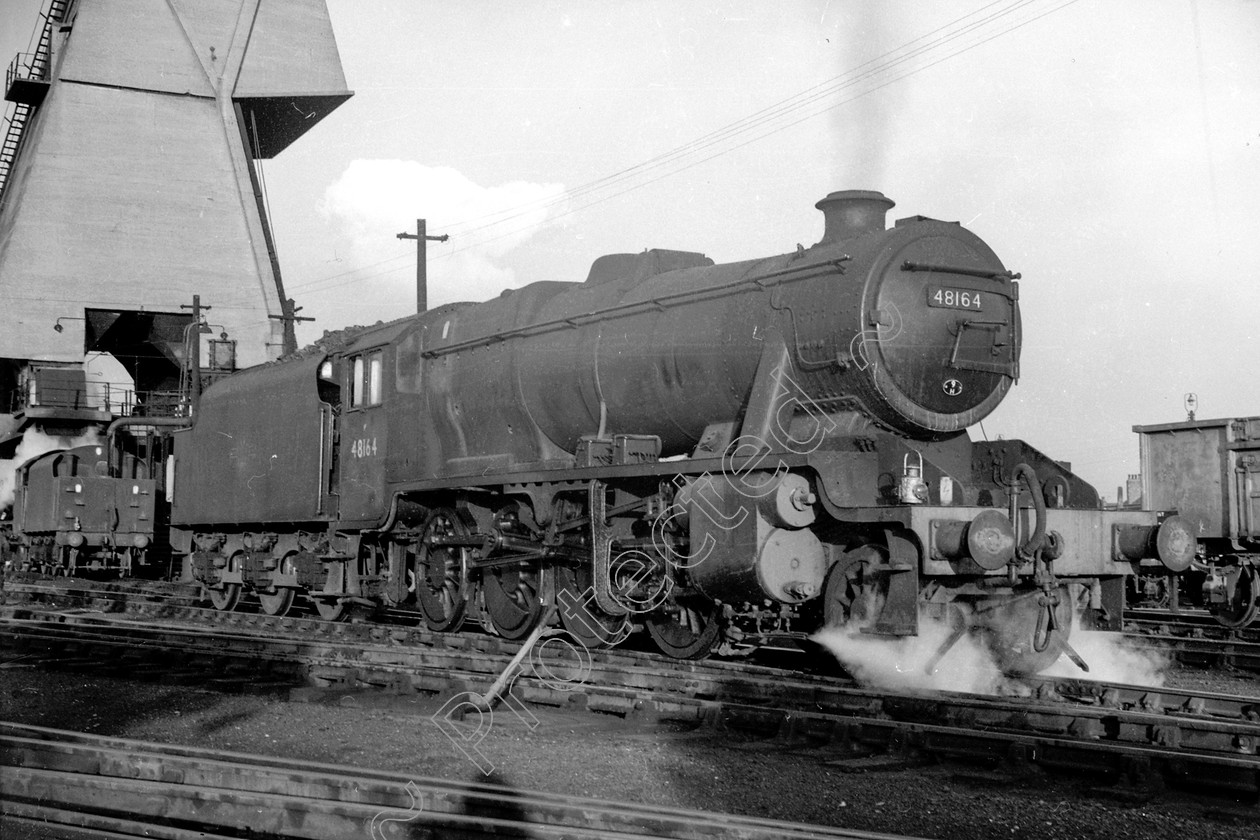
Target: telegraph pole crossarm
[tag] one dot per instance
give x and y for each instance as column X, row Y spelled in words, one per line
column 422, row 276
column 290, row 319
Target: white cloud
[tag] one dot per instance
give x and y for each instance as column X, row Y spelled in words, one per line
column 375, row 199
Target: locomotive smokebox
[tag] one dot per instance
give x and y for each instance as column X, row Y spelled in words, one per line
column 852, row 213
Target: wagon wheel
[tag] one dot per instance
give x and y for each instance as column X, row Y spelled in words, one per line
column 687, row 629
column 69, row 564
column 581, row 616
column 279, row 599
column 1149, row 590
column 440, row 578
column 226, row 596
column 22, row 559
column 1242, row 607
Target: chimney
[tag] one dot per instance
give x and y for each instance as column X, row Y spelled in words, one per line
column 852, row 213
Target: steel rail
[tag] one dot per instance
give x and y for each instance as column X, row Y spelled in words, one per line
column 403, row 631
column 629, row 670
column 98, row 782
column 1198, row 625
column 755, row 682
column 1227, row 652
column 979, row 726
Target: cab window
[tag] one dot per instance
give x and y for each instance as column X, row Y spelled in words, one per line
column 375, row 362
column 367, row 376
column 356, row 382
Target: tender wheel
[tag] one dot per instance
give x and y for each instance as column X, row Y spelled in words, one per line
column 1241, row 607
column 516, row 599
column 1019, row 633
column 687, row 630
column 279, row 600
column 441, row 570
column 581, row 616
column 329, row 608
column 226, row 596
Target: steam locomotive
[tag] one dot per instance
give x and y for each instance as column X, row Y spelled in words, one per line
column 713, row 454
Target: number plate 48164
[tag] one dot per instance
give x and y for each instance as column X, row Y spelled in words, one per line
column 947, row 298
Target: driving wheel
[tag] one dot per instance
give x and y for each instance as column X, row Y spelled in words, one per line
column 686, row 630
column 581, row 616
column 516, row 599
column 441, row 570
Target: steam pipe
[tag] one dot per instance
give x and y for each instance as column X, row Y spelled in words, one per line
column 159, row 422
column 1038, row 538
column 124, row 422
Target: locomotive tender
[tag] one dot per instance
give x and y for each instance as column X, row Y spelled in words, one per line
column 72, row 513
column 714, row 453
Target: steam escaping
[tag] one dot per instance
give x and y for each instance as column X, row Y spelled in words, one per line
column 902, row 663
column 1112, row 658
column 866, row 128
column 35, row 443
column 970, row 666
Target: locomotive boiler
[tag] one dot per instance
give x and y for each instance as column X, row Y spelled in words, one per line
column 713, row 454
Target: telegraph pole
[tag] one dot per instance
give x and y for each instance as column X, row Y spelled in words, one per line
column 422, row 271
column 290, row 319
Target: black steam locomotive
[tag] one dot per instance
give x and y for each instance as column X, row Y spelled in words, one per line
column 717, row 454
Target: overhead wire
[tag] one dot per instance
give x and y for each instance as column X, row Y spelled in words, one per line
column 772, row 112
column 768, row 121
column 491, row 220
column 771, row 120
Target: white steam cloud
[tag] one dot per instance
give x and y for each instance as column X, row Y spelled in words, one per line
column 373, row 200
column 969, row 666
column 902, row 663
column 1112, row 658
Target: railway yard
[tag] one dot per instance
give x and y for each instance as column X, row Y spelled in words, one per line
column 346, row 713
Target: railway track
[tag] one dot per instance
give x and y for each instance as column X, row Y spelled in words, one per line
column 1195, row 638
column 69, row 784
column 1196, row 623
column 1188, row 739
column 102, row 594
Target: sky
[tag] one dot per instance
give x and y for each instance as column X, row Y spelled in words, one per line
column 1107, row 151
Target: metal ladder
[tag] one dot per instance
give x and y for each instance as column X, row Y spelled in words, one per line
column 38, row 66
